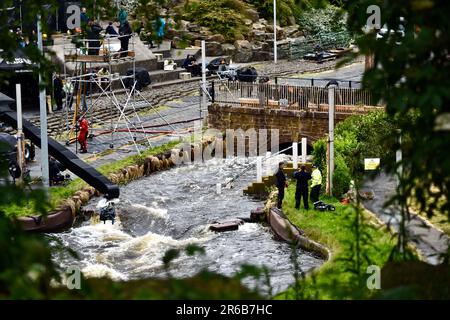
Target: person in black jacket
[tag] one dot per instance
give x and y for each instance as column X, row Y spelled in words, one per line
column 302, row 178
column 93, row 34
column 58, row 93
column 125, row 35
column 281, row 183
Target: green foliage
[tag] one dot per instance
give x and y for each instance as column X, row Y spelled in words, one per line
column 220, row 16
column 357, row 138
column 339, row 278
column 341, row 176
column 412, row 77
column 285, row 9
column 329, row 19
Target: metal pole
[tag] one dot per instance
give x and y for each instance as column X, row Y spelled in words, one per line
column 43, row 115
column 304, row 150
column 295, row 155
column 275, row 48
column 19, row 129
column 331, row 106
column 204, row 73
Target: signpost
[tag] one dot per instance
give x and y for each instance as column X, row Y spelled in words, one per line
column 371, row 164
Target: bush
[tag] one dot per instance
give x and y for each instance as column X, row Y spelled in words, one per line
column 220, row 16
column 356, row 138
column 285, row 9
column 324, row 20
column 341, row 176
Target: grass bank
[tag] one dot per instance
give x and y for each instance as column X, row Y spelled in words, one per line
column 57, row 194
column 338, row 278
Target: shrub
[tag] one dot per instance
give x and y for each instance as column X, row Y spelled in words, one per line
column 285, row 9
column 323, row 20
column 341, row 176
column 220, row 16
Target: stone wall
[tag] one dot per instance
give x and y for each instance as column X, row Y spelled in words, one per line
column 292, row 124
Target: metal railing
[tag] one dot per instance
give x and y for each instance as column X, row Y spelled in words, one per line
column 289, row 97
column 104, row 49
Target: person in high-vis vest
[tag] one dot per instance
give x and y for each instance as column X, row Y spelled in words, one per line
column 316, row 183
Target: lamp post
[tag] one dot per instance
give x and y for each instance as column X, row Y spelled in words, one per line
column 275, row 48
column 332, row 85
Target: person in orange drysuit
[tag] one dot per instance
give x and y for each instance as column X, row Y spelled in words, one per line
column 83, row 135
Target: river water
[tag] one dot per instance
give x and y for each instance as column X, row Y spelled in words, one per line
column 172, row 209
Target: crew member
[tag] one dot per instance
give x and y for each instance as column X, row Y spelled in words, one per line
column 83, row 134
column 316, row 183
column 301, row 190
column 125, row 35
column 281, row 183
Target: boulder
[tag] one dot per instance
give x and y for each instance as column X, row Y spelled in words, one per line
column 205, row 34
column 257, row 35
column 268, row 36
column 248, row 22
column 198, row 43
column 263, row 21
column 243, row 51
column 281, row 34
column 258, row 26
column 266, row 47
column 291, row 31
column 261, row 55
column 184, row 24
column 252, row 14
column 192, row 27
column 213, row 48
column 228, row 49
column 217, row 38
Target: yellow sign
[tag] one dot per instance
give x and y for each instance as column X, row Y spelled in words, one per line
column 371, row 163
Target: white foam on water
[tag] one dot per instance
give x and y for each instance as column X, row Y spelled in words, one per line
column 146, row 251
column 249, row 227
column 101, row 270
column 153, row 211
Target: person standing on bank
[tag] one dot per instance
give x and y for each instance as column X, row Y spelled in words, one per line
column 93, row 35
column 316, row 183
column 302, row 178
column 83, row 134
column 281, row 183
column 125, row 35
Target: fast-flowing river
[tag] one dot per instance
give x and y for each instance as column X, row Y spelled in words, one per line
column 172, row 209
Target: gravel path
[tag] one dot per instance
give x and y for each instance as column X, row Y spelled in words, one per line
column 429, row 240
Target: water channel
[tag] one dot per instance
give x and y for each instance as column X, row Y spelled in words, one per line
column 172, row 209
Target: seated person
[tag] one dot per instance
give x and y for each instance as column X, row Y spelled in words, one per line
column 223, row 66
column 55, row 169
column 191, row 65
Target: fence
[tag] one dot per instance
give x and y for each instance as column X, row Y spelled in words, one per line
column 319, row 42
column 289, row 97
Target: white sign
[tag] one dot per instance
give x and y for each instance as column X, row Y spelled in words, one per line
column 371, row 163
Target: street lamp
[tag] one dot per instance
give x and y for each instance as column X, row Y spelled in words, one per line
column 332, row 85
